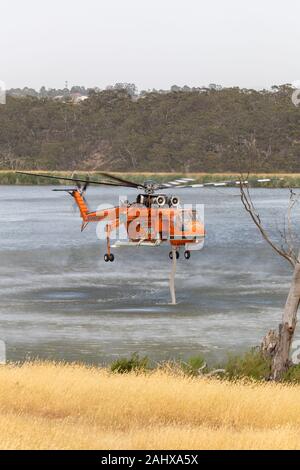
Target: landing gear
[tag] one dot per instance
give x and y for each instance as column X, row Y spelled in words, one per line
column 109, row 257
column 187, row 254
column 171, row 254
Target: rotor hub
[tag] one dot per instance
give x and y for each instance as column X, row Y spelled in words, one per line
column 150, row 186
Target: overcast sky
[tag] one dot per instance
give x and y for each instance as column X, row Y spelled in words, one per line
column 155, row 44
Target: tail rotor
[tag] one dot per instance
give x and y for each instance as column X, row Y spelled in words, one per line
column 82, row 188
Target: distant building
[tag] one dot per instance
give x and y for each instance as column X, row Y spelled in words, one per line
column 78, row 97
column 75, row 98
column 214, row 86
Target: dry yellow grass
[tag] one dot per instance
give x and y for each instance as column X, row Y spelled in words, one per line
column 56, row 406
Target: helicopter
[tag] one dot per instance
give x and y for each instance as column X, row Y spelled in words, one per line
column 153, row 218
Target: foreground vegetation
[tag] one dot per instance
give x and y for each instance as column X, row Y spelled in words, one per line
column 207, row 129
column 60, row 406
column 252, row 364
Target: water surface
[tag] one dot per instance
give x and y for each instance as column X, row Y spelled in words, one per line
column 59, row 300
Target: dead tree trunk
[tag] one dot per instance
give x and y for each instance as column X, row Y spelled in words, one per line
column 277, row 347
column 281, row 359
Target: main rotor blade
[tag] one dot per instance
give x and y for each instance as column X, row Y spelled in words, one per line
column 76, row 180
column 176, row 184
column 121, row 180
column 67, row 190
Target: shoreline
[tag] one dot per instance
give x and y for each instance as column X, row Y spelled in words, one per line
column 281, row 180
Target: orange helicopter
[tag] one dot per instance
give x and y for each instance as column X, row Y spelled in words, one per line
column 152, row 219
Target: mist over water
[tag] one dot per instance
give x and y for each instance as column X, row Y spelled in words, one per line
column 60, row 300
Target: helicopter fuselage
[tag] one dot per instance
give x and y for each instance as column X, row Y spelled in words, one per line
column 149, row 221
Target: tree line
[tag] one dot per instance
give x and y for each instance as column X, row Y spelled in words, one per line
column 210, row 129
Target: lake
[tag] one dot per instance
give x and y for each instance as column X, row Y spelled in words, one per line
column 60, row 300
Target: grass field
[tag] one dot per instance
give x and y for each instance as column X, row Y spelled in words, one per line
column 280, row 179
column 56, row 406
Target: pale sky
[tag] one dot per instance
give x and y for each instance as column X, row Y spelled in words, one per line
column 154, row 44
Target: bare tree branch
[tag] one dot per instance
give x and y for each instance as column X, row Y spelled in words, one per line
column 290, row 255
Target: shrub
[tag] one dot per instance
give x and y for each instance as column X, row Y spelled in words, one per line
column 193, row 365
column 125, row 365
column 252, row 364
column 292, row 374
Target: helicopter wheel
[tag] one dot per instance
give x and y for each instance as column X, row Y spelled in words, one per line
column 187, row 254
column 111, row 257
column 106, row 258
column 171, row 254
